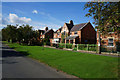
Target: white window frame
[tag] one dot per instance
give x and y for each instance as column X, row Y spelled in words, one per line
column 110, row 42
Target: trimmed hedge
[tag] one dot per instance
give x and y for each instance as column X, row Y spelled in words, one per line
column 69, row 46
column 88, row 47
column 61, row 45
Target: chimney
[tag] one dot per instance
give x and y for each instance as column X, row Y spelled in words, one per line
column 71, row 22
column 46, row 28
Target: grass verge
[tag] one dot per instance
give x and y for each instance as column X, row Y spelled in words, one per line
column 82, row 65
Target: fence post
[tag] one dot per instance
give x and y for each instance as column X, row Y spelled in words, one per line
column 72, row 46
column 65, row 45
column 77, row 47
column 87, row 47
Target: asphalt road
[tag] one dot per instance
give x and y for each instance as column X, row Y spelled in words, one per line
column 15, row 65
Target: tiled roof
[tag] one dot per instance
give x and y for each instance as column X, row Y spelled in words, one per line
column 59, row 29
column 43, row 31
column 48, row 31
column 78, row 27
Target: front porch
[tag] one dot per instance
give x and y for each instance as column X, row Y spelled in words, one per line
column 72, row 39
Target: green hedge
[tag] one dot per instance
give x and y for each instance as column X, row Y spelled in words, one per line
column 61, row 45
column 88, row 47
column 69, row 46
column 82, row 46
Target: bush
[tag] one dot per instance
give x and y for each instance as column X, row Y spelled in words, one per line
column 69, row 46
column 88, row 47
column 118, row 46
column 92, row 47
column 75, row 49
column 82, row 46
column 103, row 49
column 61, row 45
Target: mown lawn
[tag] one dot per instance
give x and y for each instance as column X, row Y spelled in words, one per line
column 82, row 65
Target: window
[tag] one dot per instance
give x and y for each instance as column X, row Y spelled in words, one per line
column 75, row 32
column 64, row 32
column 110, row 42
column 58, row 34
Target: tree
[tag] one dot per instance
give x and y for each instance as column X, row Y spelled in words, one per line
column 27, row 33
column 106, row 15
column 20, row 35
column 4, row 34
column 23, row 33
column 63, row 37
column 9, row 33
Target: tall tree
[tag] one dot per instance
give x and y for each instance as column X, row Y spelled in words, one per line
column 27, row 33
column 9, row 33
column 106, row 15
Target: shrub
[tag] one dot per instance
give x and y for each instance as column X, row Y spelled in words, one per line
column 75, row 49
column 69, row 46
column 118, row 46
column 61, row 45
column 82, row 46
column 89, row 47
column 92, row 47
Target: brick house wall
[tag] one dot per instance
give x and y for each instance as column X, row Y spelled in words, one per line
column 55, row 35
column 49, row 34
column 88, row 35
column 65, row 29
column 105, row 38
column 79, row 36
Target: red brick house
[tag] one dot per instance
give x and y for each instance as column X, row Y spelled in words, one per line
column 57, row 35
column 48, row 34
column 67, row 27
column 45, row 34
column 83, row 33
column 41, row 33
column 65, row 31
column 109, row 40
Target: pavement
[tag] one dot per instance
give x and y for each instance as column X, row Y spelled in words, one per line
column 16, row 65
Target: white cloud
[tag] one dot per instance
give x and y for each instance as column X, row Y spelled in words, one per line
column 35, row 11
column 42, row 28
column 13, row 18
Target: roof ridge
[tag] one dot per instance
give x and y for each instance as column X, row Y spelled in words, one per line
column 79, row 24
column 84, row 25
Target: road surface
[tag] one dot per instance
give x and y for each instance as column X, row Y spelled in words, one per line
column 15, row 65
